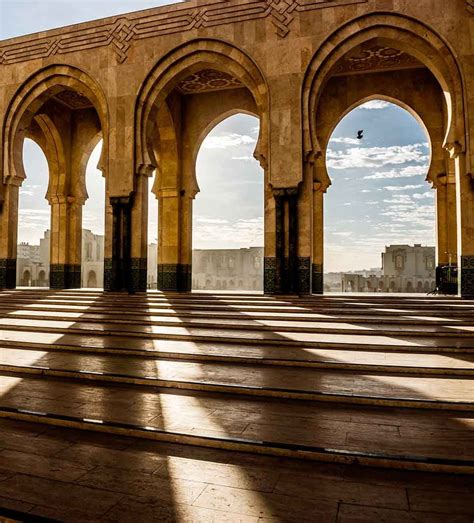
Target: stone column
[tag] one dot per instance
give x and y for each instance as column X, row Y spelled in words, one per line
column 293, row 234
column 280, row 241
column 118, row 275
column 65, row 242
column 465, row 215
column 139, row 234
column 283, row 272
column 270, row 241
column 8, row 234
column 446, row 217
column 174, row 270
column 317, row 278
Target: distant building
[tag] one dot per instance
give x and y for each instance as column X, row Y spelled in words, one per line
column 405, row 268
column 33, row 261
column 228, row 269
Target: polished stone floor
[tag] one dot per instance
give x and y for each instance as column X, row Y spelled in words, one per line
column 200, row 407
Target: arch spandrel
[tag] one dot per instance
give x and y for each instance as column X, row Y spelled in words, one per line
column 404, row 33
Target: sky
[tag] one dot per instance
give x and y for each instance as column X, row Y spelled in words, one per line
column 378, row 195
column 21, row 17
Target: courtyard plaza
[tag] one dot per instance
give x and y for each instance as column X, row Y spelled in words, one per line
column 235, row 407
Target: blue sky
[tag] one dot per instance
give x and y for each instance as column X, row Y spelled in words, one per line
column 20, row 17
column 378, row 195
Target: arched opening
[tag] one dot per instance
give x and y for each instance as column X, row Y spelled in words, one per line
column 34, row 216
column 92, row 279
column 26, row 279
column 379, row 210
column 228, row 209
column 186, row 95
column 93, row 217
column 42, row 279
column 62, row 110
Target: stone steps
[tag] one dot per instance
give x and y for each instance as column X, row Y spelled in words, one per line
column 403, row 438
column 235, row 322
column 356, row 387
column 359, row 361
column 248, row 373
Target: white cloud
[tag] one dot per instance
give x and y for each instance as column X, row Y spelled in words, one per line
column 228, row 235
column 421, row 196
column 366, row 190
column 364, row 157
column 403, row 187
column 374, row 105
column 202, row 219
column 243, row 158
column 342, row 233
column 228, row 140
column 345, row 140
column 399, row 198
column 406, row 172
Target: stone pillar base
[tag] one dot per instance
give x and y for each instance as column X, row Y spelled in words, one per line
column 7, row 273
column 304, row 276
column 108, row 275
column 174, row 277
column 467, row 277
column 64, row 276
column 287, row 283
column 269, row 275
column 139, row 274
column 317, row 279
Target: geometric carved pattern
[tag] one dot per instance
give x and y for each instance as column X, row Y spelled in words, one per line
column 375, row 58
column 120, row 33
column 470, row 6
column 73, row 100
column 208, row 80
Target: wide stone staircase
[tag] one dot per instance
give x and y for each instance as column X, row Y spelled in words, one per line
column 375, row 380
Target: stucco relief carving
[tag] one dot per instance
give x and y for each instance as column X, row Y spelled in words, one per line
column 470, row 6
column 120, row 33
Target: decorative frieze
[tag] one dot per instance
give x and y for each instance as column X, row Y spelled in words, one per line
column 120, row 33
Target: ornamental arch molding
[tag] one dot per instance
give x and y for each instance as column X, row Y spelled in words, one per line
column 403, row 33
column 182, row 62
column 26, row 105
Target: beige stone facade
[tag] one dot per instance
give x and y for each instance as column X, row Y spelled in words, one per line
column 405, row 268
column 151, row 84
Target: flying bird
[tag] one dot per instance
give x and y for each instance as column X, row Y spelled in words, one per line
column 360, row 134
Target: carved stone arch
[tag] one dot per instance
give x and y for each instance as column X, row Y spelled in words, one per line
column 27, row 102
column 401, row 32
column 80, row 192
column 180, row 63
column 165, row 152
column 55, row 156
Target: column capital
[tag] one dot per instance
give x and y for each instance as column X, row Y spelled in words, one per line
column 454, row 149
column 284, row 192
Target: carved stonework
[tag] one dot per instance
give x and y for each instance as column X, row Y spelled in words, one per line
column 120, row 33
column 470, row 6
column 73, row 100
column 375, row 58
column 208, row 80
